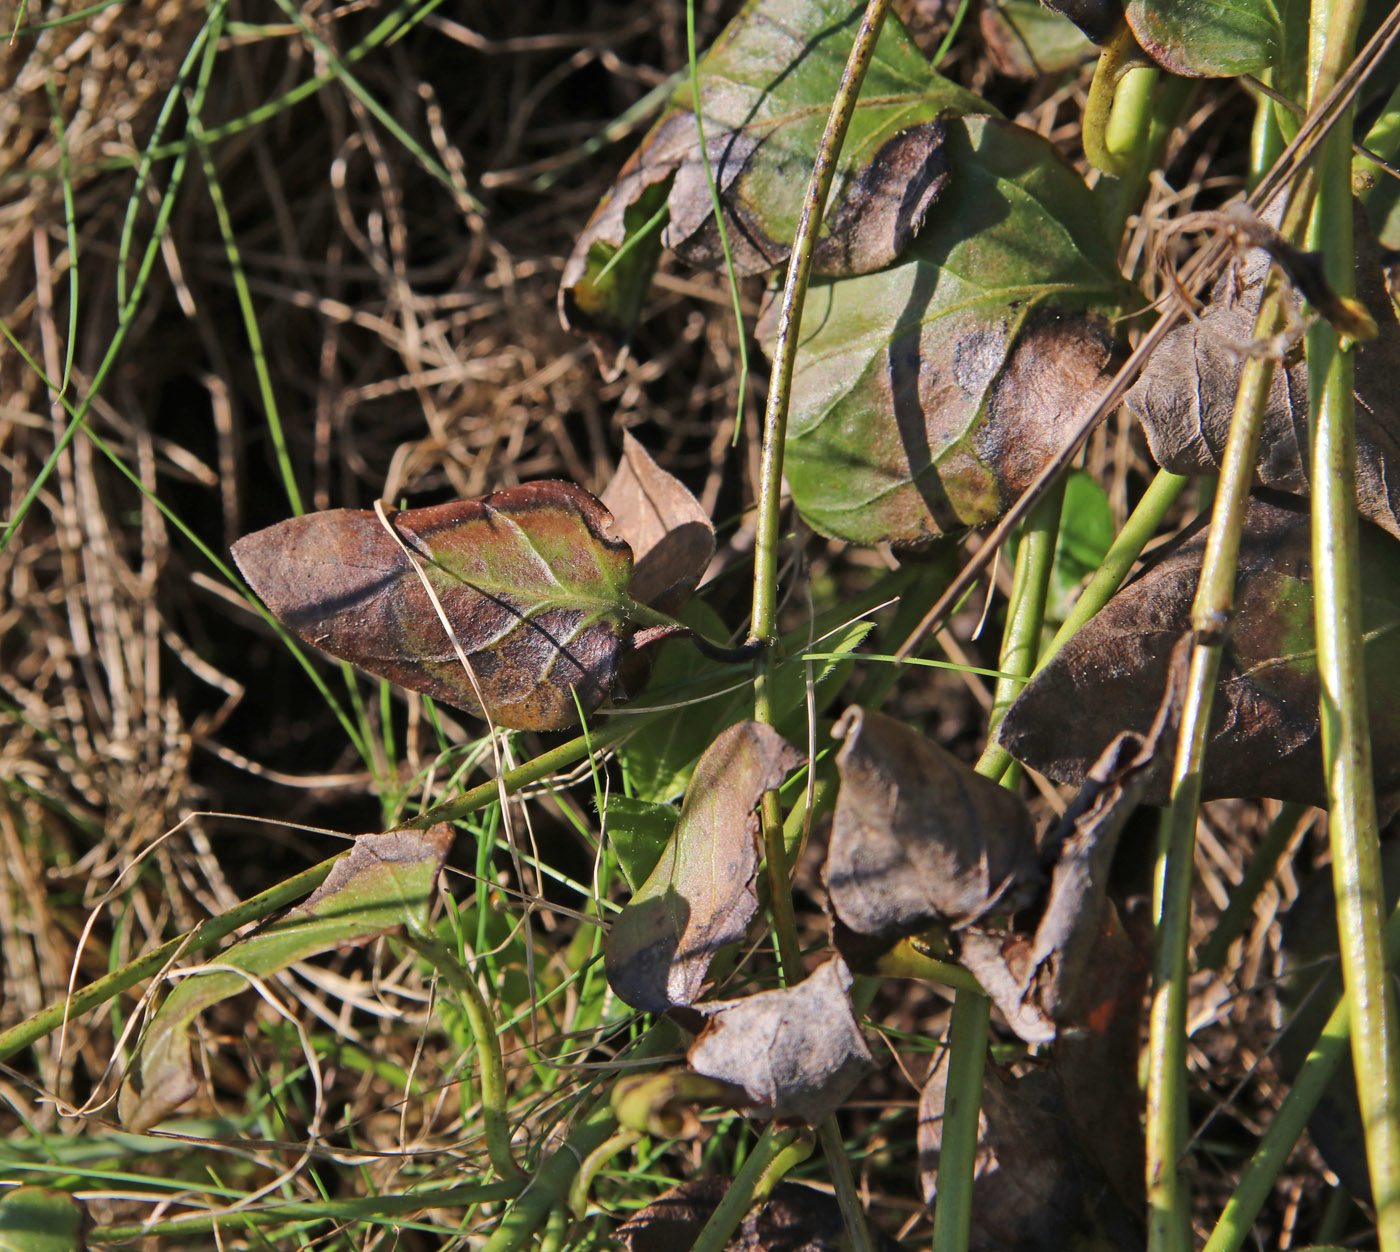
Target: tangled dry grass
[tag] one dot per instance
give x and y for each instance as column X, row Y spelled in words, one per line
column 407, row 322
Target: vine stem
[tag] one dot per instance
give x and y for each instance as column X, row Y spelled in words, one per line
column 764, row 621
column 1346, row 746
column 1168, row 1208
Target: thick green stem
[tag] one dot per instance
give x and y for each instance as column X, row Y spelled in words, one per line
column 1025, row 614
column 1309, row 1085
column 1346, row 744
column 1169, row 1228
column 729, row 1212
column 495, row 1122
column 957, row 1157
column 764, row 625
column 549, row 1188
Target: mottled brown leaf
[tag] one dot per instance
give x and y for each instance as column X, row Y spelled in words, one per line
column 532, row 580
column 1026, row 39
column 1040, row 985
column 918, row 837
column 1186, row 394
column 794, row 1218
column 1264, row 730
column 671, row 536
column 700, row 896
column 796, row 1051
column 1036, row 1190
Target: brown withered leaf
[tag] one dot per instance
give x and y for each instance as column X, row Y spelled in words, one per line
column 1264, row 730
column 532, row 579
column 1039, row 985
column 1035, row 1189
column 1186, row 394
column 793, row 1218
column 700, row 896
column 918, row 837
column 671, row 536
column 797, row 1051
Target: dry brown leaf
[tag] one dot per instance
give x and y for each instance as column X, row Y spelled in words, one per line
column 700, row 896
column 919, row 838
column 671, row 536
column 1265, row 738
column 1186, row 394
column 796, row 1051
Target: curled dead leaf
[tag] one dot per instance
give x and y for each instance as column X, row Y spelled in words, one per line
column 1186, row 394
column 919, row 838
column 797, row 1052
column 671, row 536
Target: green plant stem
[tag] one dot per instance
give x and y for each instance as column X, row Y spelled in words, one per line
column 1346, row 745
column 1144, row 522
column 495, row 1123
column 1025, row 614
column 593, row 1162
column 957, row 1157
column 1168, row 1205
column 729, row 1212
column 1116, row 63
column 782, row 1165
column 372, row 1208
column 1383, row 139
column 548, row 1189
column 765, row 582
column 847, row 1197
column 200, row 939
column 764, row 622
column 1311, row 1082
column 1263, row 864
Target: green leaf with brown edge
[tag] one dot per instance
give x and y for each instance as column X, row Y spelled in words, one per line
column 927, row 396
column 1026, row 39
column 797, row 1052
column 700, row 896
column 41, row 1219
column 765, row 91
column 1264, row 732
column 386, row 881
column 1206, row 39
column 918, row 837
column 532, row 579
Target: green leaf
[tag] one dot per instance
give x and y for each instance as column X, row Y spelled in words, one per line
column 765, row 91
column 659, row 763
column 41, row 1219
column 1204, row 39
column 532, row 579
column 1025, row 39
column 639, row 831
column 1086, row 534
column 927, row 396
column 387, row 880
